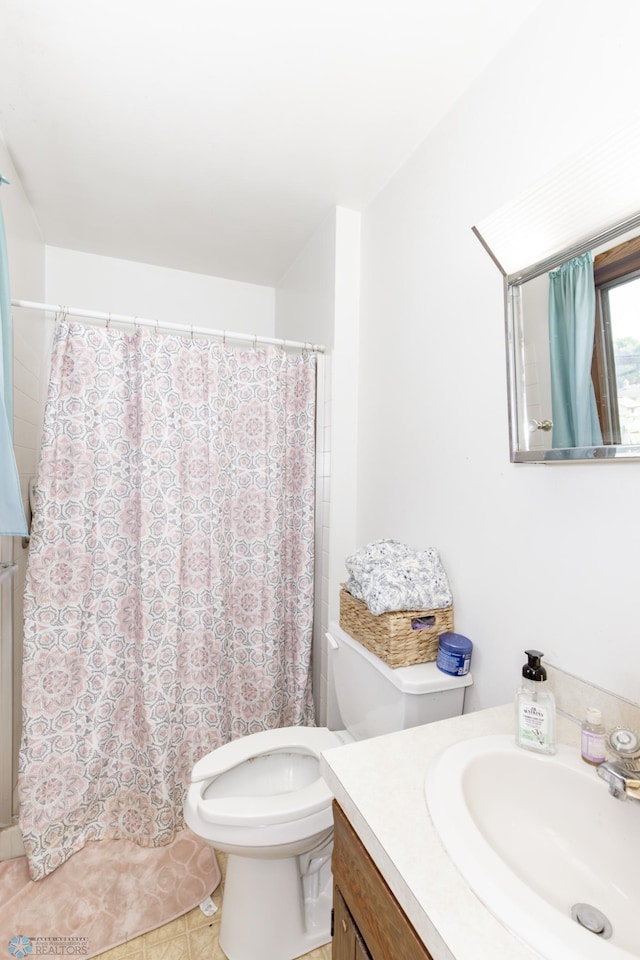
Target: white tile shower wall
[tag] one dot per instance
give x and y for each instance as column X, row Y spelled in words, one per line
column 6, row 722
column 323, row 493
column 29, row 379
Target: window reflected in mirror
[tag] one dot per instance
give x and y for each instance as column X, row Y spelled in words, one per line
column 616, row 355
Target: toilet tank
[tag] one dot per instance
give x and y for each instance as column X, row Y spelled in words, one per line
column 369, row 698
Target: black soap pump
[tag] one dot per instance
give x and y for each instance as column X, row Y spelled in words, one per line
column 535, row 708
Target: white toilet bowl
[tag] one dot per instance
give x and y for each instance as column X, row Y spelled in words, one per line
column 262, row 800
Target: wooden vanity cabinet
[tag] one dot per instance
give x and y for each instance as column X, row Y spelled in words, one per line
column 368, row 921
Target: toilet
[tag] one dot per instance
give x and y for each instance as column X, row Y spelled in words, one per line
column 262, row 800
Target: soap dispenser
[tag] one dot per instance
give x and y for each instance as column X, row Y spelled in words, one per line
column 535, row 708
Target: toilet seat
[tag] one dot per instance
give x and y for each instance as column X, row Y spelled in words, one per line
column 238, row 810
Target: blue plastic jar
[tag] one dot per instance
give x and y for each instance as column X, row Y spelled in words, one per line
column 454, row 654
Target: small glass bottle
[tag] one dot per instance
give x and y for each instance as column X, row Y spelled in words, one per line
column 593, row 738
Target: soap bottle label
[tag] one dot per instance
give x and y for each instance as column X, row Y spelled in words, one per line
column 534, row 728
column 593, row 747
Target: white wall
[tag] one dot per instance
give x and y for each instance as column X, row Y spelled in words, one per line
column 537, row 556
column 157, row 293
column 305, row 295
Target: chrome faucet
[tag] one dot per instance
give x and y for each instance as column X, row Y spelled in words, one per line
column 623, row 783
column 623, row 773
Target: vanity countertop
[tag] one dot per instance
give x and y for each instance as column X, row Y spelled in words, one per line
column 379, row 784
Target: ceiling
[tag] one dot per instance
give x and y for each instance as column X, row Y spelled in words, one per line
column 216, row 135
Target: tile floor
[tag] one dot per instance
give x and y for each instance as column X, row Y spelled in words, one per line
column 191, row 937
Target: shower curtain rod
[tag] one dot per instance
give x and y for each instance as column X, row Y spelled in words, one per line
column 157, row 325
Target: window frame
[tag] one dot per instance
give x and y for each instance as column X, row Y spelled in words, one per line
column 611, row 268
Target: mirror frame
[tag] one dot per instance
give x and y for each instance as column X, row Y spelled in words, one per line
column 515, row 362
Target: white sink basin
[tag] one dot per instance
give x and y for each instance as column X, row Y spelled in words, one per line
column 533, row 836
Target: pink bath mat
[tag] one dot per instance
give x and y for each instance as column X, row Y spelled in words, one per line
column 109, row 892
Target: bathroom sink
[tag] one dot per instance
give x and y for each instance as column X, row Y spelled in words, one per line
column 534, row 836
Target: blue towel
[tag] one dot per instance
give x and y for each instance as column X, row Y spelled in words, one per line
column 12, row 519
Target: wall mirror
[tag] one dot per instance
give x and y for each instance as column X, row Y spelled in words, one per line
column 573, row 351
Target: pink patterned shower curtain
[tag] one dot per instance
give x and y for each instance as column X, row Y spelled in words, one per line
column 169, row 596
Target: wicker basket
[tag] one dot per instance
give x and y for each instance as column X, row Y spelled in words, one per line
column 391, row 636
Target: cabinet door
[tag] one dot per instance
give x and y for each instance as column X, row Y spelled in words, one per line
column 347, row 941
column 344, row 930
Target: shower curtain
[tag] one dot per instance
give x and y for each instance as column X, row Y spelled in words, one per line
column 169, row 595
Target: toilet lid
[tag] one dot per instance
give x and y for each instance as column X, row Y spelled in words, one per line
column 276, row 808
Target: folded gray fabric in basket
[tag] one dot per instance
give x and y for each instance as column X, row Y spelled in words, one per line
column 389, row 576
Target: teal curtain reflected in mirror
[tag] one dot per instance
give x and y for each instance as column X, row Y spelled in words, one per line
column 572, row 308
column 12, row 519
